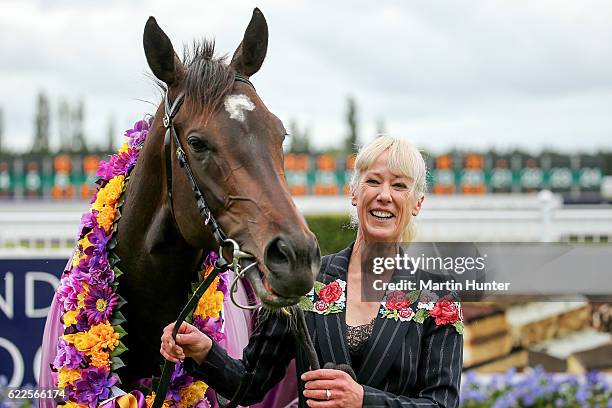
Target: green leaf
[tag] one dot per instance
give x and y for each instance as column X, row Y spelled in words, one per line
column 118, row 350
column 420, row 316
column 113, row 259
column 306, row 304
column 120, row 301
column 318, row 286
column 413, row 296
column 459, row 326
column 117, row 272
column 116, row 363
column 120, row 331
column 117, row 318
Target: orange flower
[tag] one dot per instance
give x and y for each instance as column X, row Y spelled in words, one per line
column 106, row 217
column 105, row 336
column 100, row 358
column 110, row 193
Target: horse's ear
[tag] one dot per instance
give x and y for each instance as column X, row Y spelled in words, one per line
column 251, row 52
column 159, row 52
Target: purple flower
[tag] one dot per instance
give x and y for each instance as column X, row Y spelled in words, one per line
column 178, row 380
column 210, row 327
column 67, row 356
column 88, row 220
column 210, row 259
column 139, row 133
column 99, row 304
column 82, row 321
column 94, row 386
column 67, row 292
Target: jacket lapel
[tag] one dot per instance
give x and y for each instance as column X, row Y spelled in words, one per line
column 384, row 344
column 331, row 328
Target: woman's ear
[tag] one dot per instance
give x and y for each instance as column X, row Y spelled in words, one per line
column 417, row 206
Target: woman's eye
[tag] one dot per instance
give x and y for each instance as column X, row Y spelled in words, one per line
column 400, row 185
column 372, row 182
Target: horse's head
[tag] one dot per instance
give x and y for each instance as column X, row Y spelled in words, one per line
column 233, row 144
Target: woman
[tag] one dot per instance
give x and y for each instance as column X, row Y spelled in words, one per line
column 398, row 361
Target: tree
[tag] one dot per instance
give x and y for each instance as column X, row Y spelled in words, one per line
column 300, row 140
column 1, row 130
column 41, row 125
column 350, row 145
column 78, row 138
column 110, row 135
column 64, row 125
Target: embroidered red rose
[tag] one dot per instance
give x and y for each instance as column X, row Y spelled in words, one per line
column 330, row 292
column 445, row 312
column 405, row 313
column 321, row 306
column 396, row 300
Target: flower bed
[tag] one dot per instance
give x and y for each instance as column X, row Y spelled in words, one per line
column 535, row 388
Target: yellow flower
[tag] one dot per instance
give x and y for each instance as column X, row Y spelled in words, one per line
column 211, row 302
column 82, row 295
column 124, row 148
column 100, row 358
column 150, row 398
column 66, row 376
column 83, row 342
column 84, row 244
column 192, row 394
column 105, row 335
column 70, row 317
column 110, row 193
column 106, row 217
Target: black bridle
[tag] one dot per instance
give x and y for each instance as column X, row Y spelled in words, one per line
column 221, row 265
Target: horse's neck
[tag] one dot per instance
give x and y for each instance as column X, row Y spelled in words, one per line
column 147, row 234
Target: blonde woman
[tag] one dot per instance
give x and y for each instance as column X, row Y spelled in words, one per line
column 397, row 362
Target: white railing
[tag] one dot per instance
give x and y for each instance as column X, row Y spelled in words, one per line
column 27, row 227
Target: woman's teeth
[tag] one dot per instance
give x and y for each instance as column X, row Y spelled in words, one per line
column 381, row 214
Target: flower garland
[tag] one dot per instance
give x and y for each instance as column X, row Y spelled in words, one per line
column 88, row 353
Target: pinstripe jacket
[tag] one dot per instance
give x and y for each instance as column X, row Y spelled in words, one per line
column 405, row 363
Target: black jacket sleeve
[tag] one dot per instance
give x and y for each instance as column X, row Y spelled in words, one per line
column 270, row 349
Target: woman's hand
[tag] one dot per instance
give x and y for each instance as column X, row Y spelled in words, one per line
column 342, row 390
column 190, row 342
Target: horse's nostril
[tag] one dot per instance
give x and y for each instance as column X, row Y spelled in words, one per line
column 279, row 255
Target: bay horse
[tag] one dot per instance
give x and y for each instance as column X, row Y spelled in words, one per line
column 233, row 145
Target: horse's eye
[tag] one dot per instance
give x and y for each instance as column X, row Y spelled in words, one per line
column 197, row 144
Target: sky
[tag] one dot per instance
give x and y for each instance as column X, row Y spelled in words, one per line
column 443, row 74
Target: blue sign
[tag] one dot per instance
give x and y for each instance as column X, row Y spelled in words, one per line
column 26, row 291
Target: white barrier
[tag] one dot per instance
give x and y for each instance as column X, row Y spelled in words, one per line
column 29, row 226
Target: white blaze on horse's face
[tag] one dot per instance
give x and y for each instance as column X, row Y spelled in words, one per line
column 235, row 105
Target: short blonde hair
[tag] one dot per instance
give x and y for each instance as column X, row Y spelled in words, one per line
column 404, row 159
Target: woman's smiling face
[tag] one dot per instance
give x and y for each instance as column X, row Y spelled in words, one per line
column 385, row 202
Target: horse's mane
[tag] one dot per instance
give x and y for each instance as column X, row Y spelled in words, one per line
column 208, row 79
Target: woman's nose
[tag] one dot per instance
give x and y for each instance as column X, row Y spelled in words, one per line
column 385, row 193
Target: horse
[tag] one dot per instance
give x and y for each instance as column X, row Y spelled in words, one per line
column 233, row 145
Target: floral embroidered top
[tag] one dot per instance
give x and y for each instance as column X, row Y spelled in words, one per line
column 397, row 305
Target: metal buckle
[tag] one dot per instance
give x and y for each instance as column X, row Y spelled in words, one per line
column 166, row 121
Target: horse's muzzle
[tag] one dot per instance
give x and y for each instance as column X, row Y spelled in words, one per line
column 292, row 265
